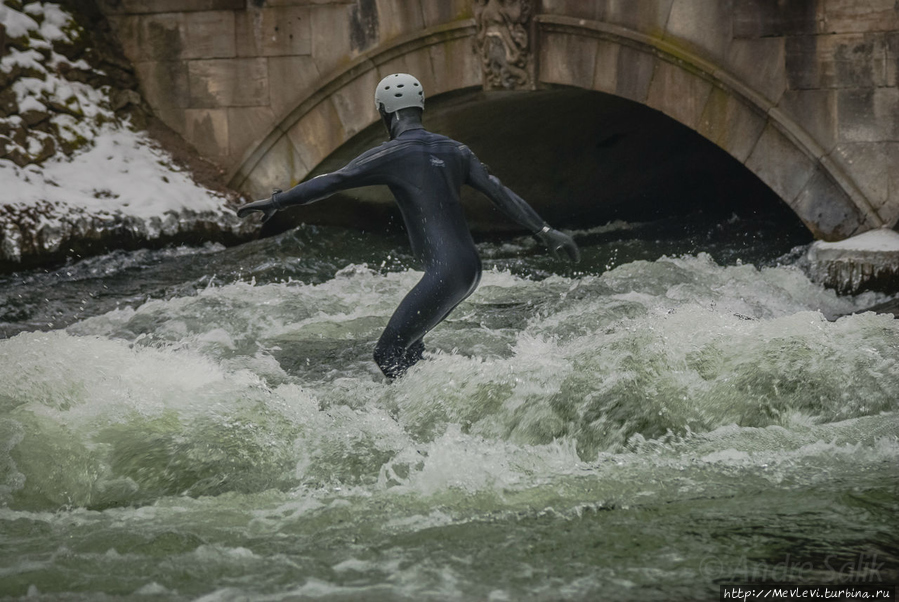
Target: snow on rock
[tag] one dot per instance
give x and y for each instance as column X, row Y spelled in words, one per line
column 880, row 240
column 17, row 24
column 868, row 261
column 74, row 177
column 45, row 106
column 122, row 172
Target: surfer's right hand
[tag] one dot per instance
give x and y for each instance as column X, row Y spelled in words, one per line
column 268, row 207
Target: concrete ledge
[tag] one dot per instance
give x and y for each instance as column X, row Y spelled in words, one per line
column 869, row 261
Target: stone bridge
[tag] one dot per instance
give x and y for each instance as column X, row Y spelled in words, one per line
column 802, row 93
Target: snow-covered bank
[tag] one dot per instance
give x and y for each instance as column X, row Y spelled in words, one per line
column 122, row 172
column 75, row 177
column 122, row 192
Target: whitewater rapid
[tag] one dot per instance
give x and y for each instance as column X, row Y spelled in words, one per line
column 638, row 429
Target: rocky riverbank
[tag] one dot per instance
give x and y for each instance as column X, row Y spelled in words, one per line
column 84, row 166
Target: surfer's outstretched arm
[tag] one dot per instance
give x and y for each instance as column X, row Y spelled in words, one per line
column 364, row 170
column 518, row 209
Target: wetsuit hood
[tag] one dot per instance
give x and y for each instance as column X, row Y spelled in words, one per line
column 401, row 121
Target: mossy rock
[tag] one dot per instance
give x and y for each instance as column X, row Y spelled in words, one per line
column 15, row 132
column 8, row 104
column 21, row 43
column 18, row 156
column 6, row 145
column 68, row 147
column 35, row 116
column 48, row 149
column 74, row 49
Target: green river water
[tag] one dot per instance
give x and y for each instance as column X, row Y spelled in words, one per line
column 682, row 409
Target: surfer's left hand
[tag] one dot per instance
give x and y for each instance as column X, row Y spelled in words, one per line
column 559, row 241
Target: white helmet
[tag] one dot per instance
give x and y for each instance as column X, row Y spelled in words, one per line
column 399, row 91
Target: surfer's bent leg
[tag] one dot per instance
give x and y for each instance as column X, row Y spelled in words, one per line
column 433, row 298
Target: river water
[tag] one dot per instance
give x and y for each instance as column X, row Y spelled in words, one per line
column 682, row 409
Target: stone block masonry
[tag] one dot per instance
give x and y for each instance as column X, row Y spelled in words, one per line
column 220, row 72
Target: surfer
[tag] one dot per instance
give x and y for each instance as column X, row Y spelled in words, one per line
column 425, row 172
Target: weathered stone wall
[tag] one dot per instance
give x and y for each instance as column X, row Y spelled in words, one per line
column 224, row 73
column 804, row 93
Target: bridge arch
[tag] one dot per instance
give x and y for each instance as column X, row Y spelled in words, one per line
column 590, row 55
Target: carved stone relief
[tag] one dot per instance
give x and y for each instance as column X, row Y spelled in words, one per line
column 503, row 41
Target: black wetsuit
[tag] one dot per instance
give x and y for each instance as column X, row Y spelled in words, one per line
column 425, row 172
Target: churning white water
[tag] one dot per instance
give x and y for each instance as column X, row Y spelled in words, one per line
column 642, row 429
